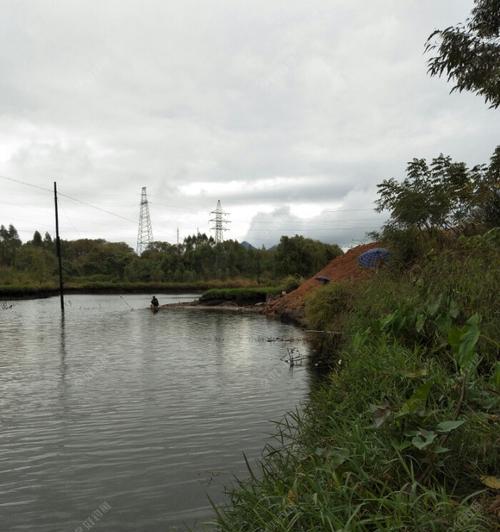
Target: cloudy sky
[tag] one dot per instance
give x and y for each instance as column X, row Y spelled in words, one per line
column 289, row 112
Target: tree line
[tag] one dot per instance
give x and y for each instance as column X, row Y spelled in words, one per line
column 197, row 258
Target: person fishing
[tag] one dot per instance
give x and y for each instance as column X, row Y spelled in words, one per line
column 154, row 304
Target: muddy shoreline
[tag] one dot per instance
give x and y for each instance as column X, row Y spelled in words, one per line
column 291, row 317
column 225, row 306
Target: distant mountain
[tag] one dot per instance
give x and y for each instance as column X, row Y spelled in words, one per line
column 247, row 245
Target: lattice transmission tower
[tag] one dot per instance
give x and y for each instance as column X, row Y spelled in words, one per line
column 145, row 232
column 220, row 223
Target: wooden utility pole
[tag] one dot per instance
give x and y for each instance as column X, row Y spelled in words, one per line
column 58, row 250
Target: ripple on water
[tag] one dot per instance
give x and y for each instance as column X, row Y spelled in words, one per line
column 146, row 413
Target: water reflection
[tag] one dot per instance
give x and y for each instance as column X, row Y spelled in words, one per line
column 63, row 349
column 148, row 413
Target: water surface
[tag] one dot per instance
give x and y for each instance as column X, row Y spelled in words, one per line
column 124, row 420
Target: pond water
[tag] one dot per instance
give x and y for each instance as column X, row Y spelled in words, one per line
column 116, row 419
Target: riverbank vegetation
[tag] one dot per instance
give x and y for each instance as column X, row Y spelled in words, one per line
column 197, row 263
column 240, row 296
column 404, row 434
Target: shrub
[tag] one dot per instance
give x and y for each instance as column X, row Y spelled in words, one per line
column 403, row 433
column 241, row 296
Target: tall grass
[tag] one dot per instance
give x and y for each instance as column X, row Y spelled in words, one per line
column 406, row 427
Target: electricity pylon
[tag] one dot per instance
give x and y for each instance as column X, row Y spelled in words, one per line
column 145, row 232
column 219, row 222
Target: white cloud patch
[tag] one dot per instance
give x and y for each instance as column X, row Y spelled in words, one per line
column 283, row 110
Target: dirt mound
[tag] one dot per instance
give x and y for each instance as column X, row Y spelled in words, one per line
column 342, row 268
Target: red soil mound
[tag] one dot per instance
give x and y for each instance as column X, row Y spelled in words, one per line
column 342, row 268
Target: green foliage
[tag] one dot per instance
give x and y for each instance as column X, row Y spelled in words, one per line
column 291, row 282
column 402, row 432
column 326, row 307
column 441, row 195
column 469, row 54
column 39, row 262
column 9, row 245
column 241, row 296
column 37, row 239
column 303, row 256
column 198, row 258
column 437, row 202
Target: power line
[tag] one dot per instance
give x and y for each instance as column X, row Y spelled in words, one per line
column 346, row 210
column 278, row 223
column 220, row 221
column 68, row 197
column 97, row 208
column 313, row 230
column 25, row 183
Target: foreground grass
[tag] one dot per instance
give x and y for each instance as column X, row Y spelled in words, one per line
column 404, row 435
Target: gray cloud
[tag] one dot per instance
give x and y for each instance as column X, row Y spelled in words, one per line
column 346, row 226
column 109, row 96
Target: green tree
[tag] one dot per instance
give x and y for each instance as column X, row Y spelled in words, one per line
column 47, row 241
column 37, row 239
column 143, row 269
column 9, row 244
column 469, row 53
column 435, row 199
column 442, row 195
column 38, row 262
column 301, row 256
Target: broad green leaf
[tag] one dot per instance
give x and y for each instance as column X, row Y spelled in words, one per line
column 448, row 426
column 401, row 446
column 441, row 450
column 424, row 439
column 444, row 324
column 468, row 342
column 454, row 335
column 417, row 401
column 475, row 319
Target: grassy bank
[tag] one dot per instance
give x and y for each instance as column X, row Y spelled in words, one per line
column 240, row 296
column 404, row 434
column 14, row 291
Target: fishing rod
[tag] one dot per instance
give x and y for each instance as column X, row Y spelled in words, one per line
column 126, row 302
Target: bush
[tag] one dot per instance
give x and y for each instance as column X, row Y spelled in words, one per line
column 240, row 296
column 290, row 283
column 403, row 432
column 327, row 307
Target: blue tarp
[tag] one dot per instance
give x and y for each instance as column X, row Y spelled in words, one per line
column 373, row 257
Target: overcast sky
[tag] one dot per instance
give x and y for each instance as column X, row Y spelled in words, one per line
column 289, row 112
